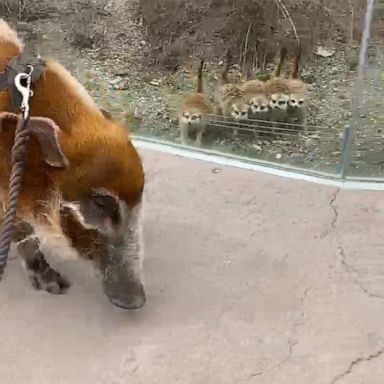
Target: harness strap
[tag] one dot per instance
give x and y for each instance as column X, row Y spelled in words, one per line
column 19, row 64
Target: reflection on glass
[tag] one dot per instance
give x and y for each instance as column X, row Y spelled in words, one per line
column 141, row 59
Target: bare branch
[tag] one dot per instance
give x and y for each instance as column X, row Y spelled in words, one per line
column 283, row 8
column 246, row 46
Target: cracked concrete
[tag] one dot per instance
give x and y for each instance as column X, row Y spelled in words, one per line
column 293, row 337
column 355, row 363
column 334, row 208
column 243, row 287
column 349, row 269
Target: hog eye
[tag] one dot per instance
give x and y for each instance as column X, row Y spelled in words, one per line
column 106, row 204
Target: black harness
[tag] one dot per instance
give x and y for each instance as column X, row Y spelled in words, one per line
column 19, row 64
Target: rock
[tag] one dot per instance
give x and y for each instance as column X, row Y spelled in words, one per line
column 23, row 26
column 308, row 142
column 114, row 81
column 121, row 86
column 295, row 156
column 121, row 72
column 353, row 63
column 324, row 52
column 335, row 70
column 312, row 156
column 308, row 77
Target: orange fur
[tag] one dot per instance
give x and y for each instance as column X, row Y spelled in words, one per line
column 228, row 95
column 296, row 62
column 283, row 54
column 83, row 176
column 277, row 85
column 99, row 152
column 194, row 102
column 254, row 87
column 297, row 86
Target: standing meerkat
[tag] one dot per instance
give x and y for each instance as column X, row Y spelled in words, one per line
column 193, row 111
column 258, row 102
column 297, row 103
column 277, row 91
column 230, row 98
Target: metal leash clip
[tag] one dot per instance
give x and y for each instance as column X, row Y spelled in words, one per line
column 25, row 90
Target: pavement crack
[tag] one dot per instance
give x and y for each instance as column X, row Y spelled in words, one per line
column 293, row 338
column 352, row 272
column 256, row 374
column 335, row 216
column 334, row 208
column 355, row 363
column 349, row 269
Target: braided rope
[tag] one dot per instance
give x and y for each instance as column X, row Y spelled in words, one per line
column 19, row 151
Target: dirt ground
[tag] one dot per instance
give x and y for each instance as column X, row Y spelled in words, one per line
column 250, row 278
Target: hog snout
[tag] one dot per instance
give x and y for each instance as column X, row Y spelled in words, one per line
column 132, row 296
column 122, row 281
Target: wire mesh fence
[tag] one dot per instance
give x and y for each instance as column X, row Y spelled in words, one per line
column 310, row 147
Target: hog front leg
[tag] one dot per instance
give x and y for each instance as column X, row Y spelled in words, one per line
column 40, row 273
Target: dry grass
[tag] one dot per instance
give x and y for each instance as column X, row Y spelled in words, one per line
column 253, row 30
column 180, row 29
column 25, row 10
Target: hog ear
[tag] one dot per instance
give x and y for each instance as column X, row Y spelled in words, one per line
column 46, row 132
column 7, row 117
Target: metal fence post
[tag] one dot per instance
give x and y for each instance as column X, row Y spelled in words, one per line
column 345, row 150
column 357, row 96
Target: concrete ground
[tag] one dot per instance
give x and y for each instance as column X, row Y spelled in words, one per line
column 250, row 278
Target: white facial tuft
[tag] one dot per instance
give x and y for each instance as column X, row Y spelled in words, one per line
column 239, row 114
column 193, row 118
column 279, row 102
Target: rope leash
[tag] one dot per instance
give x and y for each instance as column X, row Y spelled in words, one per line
column 19, row 151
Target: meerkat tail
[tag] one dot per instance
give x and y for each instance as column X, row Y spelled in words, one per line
column 224, row 74
column 249, row 70
column 283, row 54
column 200, row 77
column 296, row 62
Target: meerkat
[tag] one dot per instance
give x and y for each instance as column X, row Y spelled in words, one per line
column 230, row 98
column 258, row 101
column 278, row 91
column 193, row 111
column 297, row 111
